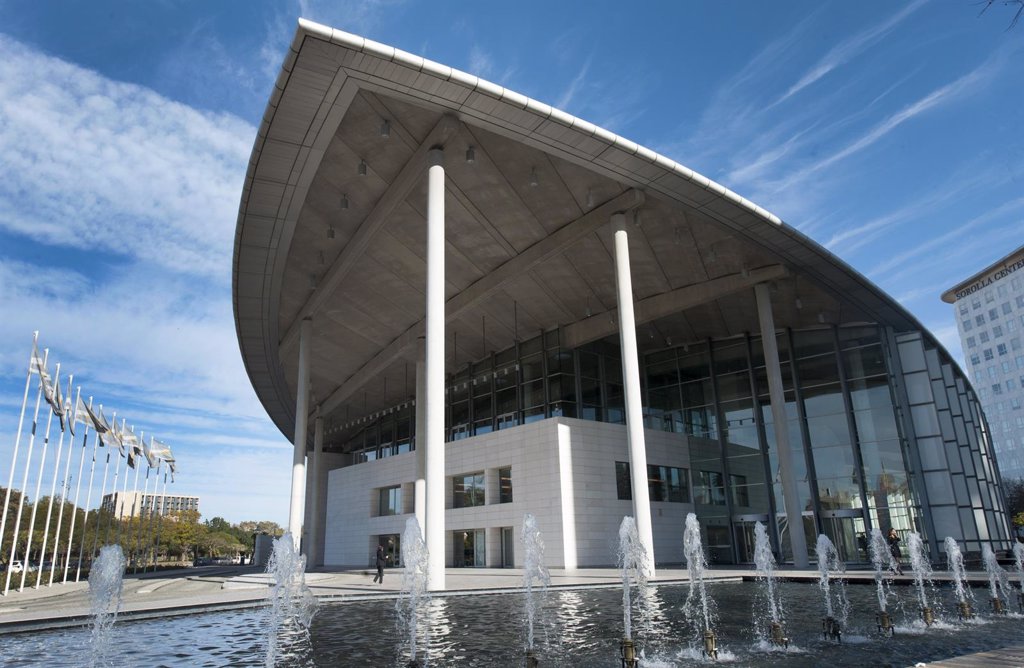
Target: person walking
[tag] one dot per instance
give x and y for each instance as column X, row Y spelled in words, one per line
column 894, row 549
column 382, row 559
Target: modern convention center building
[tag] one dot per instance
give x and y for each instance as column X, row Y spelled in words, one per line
column 463, row 305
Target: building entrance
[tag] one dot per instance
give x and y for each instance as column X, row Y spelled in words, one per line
column 743, row 530
column 469, row 548
column 507, row 547
column 845, row 528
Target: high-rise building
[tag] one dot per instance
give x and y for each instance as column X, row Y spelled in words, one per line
column 989, row 309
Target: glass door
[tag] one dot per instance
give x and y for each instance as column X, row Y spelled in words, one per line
column 743, row 530
column 479, row 543
column 507, row 547
column 845, row 528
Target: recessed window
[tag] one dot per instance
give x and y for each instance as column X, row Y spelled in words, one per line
column 505, row 485
column 389, row 501
column 664, row 483
column 711, row 489
column 468, row 490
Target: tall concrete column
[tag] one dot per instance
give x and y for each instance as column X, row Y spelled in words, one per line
column 777, row 397
column 315, row 519
column 434, row 395
column 420, row 489
column 631, row 385
column 301, row 419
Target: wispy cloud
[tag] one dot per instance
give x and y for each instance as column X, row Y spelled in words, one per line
column 566, row 99
column 96, row 170
column 849, row 49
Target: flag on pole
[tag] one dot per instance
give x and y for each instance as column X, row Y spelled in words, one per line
column 151, row 457
column 102, row 426
column 37, row 360
column 91, row 419
column 159, row 450
column 114, row 438
column 171, row 464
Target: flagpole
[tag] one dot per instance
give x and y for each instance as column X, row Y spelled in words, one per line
column 88, row 495
column 53, row 483
column 152, row 509
column 103, row 490
column 124, row 485
column 160, row 522
column 142, row 504
column 135, row 492
column 24, row 480
column 39, row 487
column 66, row 483
column 17, row 441
column 78, row 489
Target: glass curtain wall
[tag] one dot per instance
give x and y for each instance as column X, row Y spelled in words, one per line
column 881, row 425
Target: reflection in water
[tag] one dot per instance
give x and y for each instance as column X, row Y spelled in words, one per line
column 478, row 630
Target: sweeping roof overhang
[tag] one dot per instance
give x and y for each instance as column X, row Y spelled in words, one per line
column 529, row 243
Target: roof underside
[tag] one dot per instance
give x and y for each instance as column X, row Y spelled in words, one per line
column 529, row 244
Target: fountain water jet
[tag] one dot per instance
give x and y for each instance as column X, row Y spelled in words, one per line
column 883, row 561
column 923, row 574
column 292, row 604
column 765, row 562
column 828, row 563
column 414, row 585
column 961, row 587
column 534, row 573
column 632, row 561
column 1018, row 562
column 106, row 578
column 998, row 581
column 699, row 607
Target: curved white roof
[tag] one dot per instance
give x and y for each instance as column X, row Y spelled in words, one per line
column 527, row 229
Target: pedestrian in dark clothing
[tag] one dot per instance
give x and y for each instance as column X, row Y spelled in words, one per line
column 382, row 559
column 894, row 549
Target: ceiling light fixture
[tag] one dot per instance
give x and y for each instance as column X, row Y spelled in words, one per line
column 312, row 281
column 344, row 201
column 361, row 170
column 821, row 318
column 470, row 155
column 590, row 198
column 799, row 304
column 330, row 231
column 320, row 258
column 533, row 178
column 385, row 128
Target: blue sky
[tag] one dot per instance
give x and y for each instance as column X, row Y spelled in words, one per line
column 890, row 132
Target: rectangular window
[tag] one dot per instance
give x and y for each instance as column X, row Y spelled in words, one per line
column 963, row 309
column 738, row 490
column 389, row 501
column 468, row 490
column 997, row 389
column 988, row 354
column 1005, row 306
column 1006, row 367
column 1011, row 385
column 1001, row 290
column 711, row 490
column 975, row 304
column 968, row 325
column 997, row 332
column 1011, row 325
column 664, row 483
column 1020, row 301
column 979, row 320
column 971, row 343
column 993, row 314
column 1001, row 348
column 975, row 360
column 983, row 337
column 505, row 485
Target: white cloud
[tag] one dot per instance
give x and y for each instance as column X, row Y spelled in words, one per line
column 92, row 163
column 126, row 202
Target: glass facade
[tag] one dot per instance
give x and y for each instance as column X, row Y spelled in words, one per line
column 884, row 431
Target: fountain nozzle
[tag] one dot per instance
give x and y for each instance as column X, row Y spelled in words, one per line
column 777, row 636
column 531, row 659
column 997, row 606
column 627, row 652
column 963, row 610
column 710, row 644
column 830, row 629
column 927, row 615
column 885, row 625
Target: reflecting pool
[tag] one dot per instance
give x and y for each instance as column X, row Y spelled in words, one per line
column 575, row 628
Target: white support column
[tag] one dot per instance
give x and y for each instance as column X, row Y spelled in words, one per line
column 420, row 489
column 631, row 385
column 315, row 518
column 301, row 418
column 435, row 365
column 790, row 493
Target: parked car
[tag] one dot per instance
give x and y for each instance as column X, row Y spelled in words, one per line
column 16, row 566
